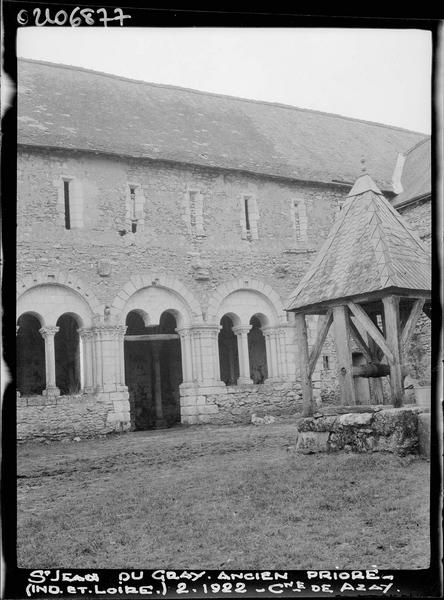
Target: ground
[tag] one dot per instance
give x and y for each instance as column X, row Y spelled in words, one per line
column 218, row 498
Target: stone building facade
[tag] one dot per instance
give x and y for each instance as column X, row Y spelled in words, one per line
column 152, row 288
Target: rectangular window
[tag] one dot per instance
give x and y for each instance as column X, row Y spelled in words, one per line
column 296, row 220
column 298, row 209
column 67, row 206
column 379, row 321
column 249, row 217
column 193, row 196
column 133, row 208
column 193, row 203
column 247, row 214
column 325, row 363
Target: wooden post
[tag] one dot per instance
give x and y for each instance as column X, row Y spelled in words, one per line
column 410, row 324
column 319, row 342
column 377, row 354
column 393, row 338
column 343, row 354
column 307, row 391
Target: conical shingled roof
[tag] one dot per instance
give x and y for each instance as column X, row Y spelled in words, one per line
column 370, row 248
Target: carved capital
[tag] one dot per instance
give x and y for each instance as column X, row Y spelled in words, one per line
column 50, row 331
column 85, row 334
column 270, row 332
column 109, row 331
column 184, row 333
column 241, row 329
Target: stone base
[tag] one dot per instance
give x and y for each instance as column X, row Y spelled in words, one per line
column 379, row 429
column 220, row 404
column 80, row 415
column 51, row 392
column 424, row 434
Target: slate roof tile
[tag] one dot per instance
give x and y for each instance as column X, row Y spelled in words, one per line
column 369, row 248
column 70, row 107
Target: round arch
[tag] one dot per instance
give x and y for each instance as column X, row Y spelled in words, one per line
column 50, row 294
column 246, row 297
column 33, row 313
column 153, row 295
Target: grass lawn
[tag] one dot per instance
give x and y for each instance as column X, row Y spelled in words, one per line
column 218, row 497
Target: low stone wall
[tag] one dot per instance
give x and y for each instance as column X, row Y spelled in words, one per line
column 84, row 415
column 366, row 429
column 236, row 404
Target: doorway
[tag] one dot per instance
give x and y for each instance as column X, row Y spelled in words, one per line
column 153, row 371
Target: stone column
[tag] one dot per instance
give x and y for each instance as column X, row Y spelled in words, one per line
column 244, row 359
column 195, row 357
column 160, row 422
column 120, row 335
column 48, row 334
column 186, row 353
column 271, row 348
column 282, row 354
column 108, row 349
column 208, row 353
column 86, row 336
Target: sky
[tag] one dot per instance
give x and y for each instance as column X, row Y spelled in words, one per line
column 381, row 75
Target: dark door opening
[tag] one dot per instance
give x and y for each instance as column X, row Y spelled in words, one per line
column 67, row 355
column 31, row 376
column 228, row 352
column 257, row 352
column 153, row 371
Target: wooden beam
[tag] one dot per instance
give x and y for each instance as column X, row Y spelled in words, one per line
column 343, row 354
column 321, row 307
column 373, row 346
column 320, row 339
column 307, row 391
column 410, row 325
column 360, row 342
column 371, row 329
column 371, row 370
column 151, row 337
column 391, row 312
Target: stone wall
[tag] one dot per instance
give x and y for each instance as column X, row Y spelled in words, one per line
column 418, row 355
column 374, row 429
column 104, row 252
column 237, row 404
column 419, row 214
column 84, row 415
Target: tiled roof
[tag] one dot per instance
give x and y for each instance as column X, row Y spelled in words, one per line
column 416, row 176
column 70, row 107
column 369, row 248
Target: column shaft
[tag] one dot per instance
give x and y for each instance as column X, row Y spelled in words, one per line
column 86, row 336
column 244, row 359
column 48, row 334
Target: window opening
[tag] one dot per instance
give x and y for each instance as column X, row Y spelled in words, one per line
column 247, row 215
column 67, row 206
column 133, row 209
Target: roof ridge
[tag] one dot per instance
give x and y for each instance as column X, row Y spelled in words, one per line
column 378, row 236
column 219, row 95
column 407, row 152
column 408, row 228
